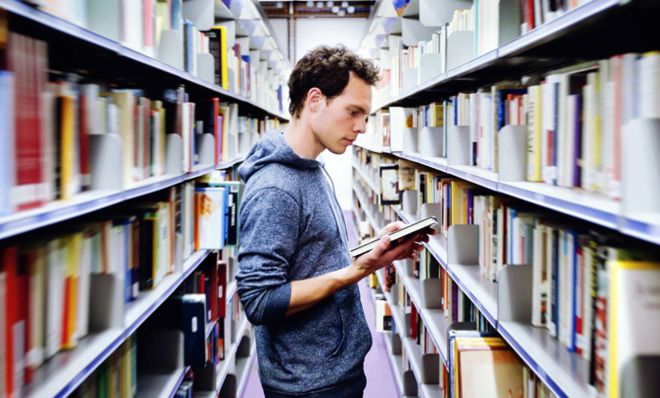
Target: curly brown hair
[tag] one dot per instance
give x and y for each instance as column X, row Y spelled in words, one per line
column 328, row 69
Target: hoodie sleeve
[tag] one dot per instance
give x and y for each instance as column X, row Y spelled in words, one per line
column 269, row 225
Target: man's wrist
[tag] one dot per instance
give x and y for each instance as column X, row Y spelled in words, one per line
column 352, row 274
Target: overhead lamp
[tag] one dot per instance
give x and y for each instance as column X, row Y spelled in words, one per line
column 344, row 4
column 341, row 13
column 329, row 4
column 335, row 9
column 350, row 9
column 319, row 4
column 279, row 4
column 310, row 3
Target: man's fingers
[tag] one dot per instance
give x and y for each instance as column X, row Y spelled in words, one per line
column 382, row 246
column 395, row 226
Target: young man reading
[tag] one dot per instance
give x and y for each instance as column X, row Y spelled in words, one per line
column 297, row 281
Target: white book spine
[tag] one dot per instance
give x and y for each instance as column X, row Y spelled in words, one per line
column 649, row 85
column 537, row 275
column 550, row 321
column 37, row 291
column 55, row 297
column 84, row 269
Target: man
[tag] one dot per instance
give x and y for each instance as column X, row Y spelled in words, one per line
column 296, row 281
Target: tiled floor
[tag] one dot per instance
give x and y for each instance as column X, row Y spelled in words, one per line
column 380, row 381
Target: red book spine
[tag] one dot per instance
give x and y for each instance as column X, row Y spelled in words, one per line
column 23, row 283
column 222, row 289
column 65, row 315
column 216, row 128
column 413, row 322
column 27, row 133
column 213, row 293
column 9, row 259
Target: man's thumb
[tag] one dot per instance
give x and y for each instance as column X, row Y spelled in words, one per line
column 382, row 246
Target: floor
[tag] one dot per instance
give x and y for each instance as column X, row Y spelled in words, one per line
column 380, row 381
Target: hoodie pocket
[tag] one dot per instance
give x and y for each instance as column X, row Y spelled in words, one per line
column 342, row 328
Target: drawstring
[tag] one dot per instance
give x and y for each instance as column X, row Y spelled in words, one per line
column 334, row 196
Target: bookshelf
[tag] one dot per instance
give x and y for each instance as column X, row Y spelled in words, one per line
column 563, row 372
column 48, row 24
column 579, row 204
column 161, row 385
column 95, row 59
column 546, row 46
column 569, row 38
column 62, row 374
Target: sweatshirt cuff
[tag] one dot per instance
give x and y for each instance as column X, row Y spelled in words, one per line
column 278, row 303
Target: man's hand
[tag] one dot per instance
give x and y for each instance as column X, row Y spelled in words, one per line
column 383, row 254
column 305, row 293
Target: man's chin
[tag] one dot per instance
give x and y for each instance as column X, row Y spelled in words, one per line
column 339, row 149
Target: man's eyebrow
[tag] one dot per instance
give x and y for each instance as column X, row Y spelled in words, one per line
column 358, row 107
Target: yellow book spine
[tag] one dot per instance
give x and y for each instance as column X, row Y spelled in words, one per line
column 223, row 56
column 66, row 147
column 125, row 371
column 73, row 273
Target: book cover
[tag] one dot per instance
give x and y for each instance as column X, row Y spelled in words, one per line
column 193, row 325
column 210, row 215
column 633, row 326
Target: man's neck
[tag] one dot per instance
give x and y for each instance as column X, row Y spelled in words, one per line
column 300, row 138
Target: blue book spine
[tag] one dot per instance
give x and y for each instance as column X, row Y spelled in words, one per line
column 577, row 140
column 574, row 281
column 555, row 281
column 175, row 8
column 7, row 171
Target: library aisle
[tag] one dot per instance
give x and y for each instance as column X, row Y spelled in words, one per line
column 380, row 381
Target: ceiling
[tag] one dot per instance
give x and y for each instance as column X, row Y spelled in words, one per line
column 312, row 9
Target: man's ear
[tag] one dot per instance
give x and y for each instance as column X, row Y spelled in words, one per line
column 314, row 99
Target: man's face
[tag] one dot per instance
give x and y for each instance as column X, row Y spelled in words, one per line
column 339, row 121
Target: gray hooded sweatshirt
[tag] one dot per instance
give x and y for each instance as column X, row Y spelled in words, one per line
column 291, row 228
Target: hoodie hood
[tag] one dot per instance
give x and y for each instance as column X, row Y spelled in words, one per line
column 273, row 148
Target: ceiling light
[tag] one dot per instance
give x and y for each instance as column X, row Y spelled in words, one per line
column 335, row 9
column 341, row 13
column 279, row 4
column 319, row 4
column 310, row 3
column 350, row 9
column 329, row 4
column 344, row 4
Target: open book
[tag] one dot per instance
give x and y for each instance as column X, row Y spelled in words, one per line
column 396, row 236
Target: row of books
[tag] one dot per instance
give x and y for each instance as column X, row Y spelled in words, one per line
column 116, row 377
column 60, row 135
column 47, row 284
column 485, row 26
column 156, row 27
column 480, row 364
column 574, row 117
column 572, row 264
column 181, row 324
column 484, row 365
